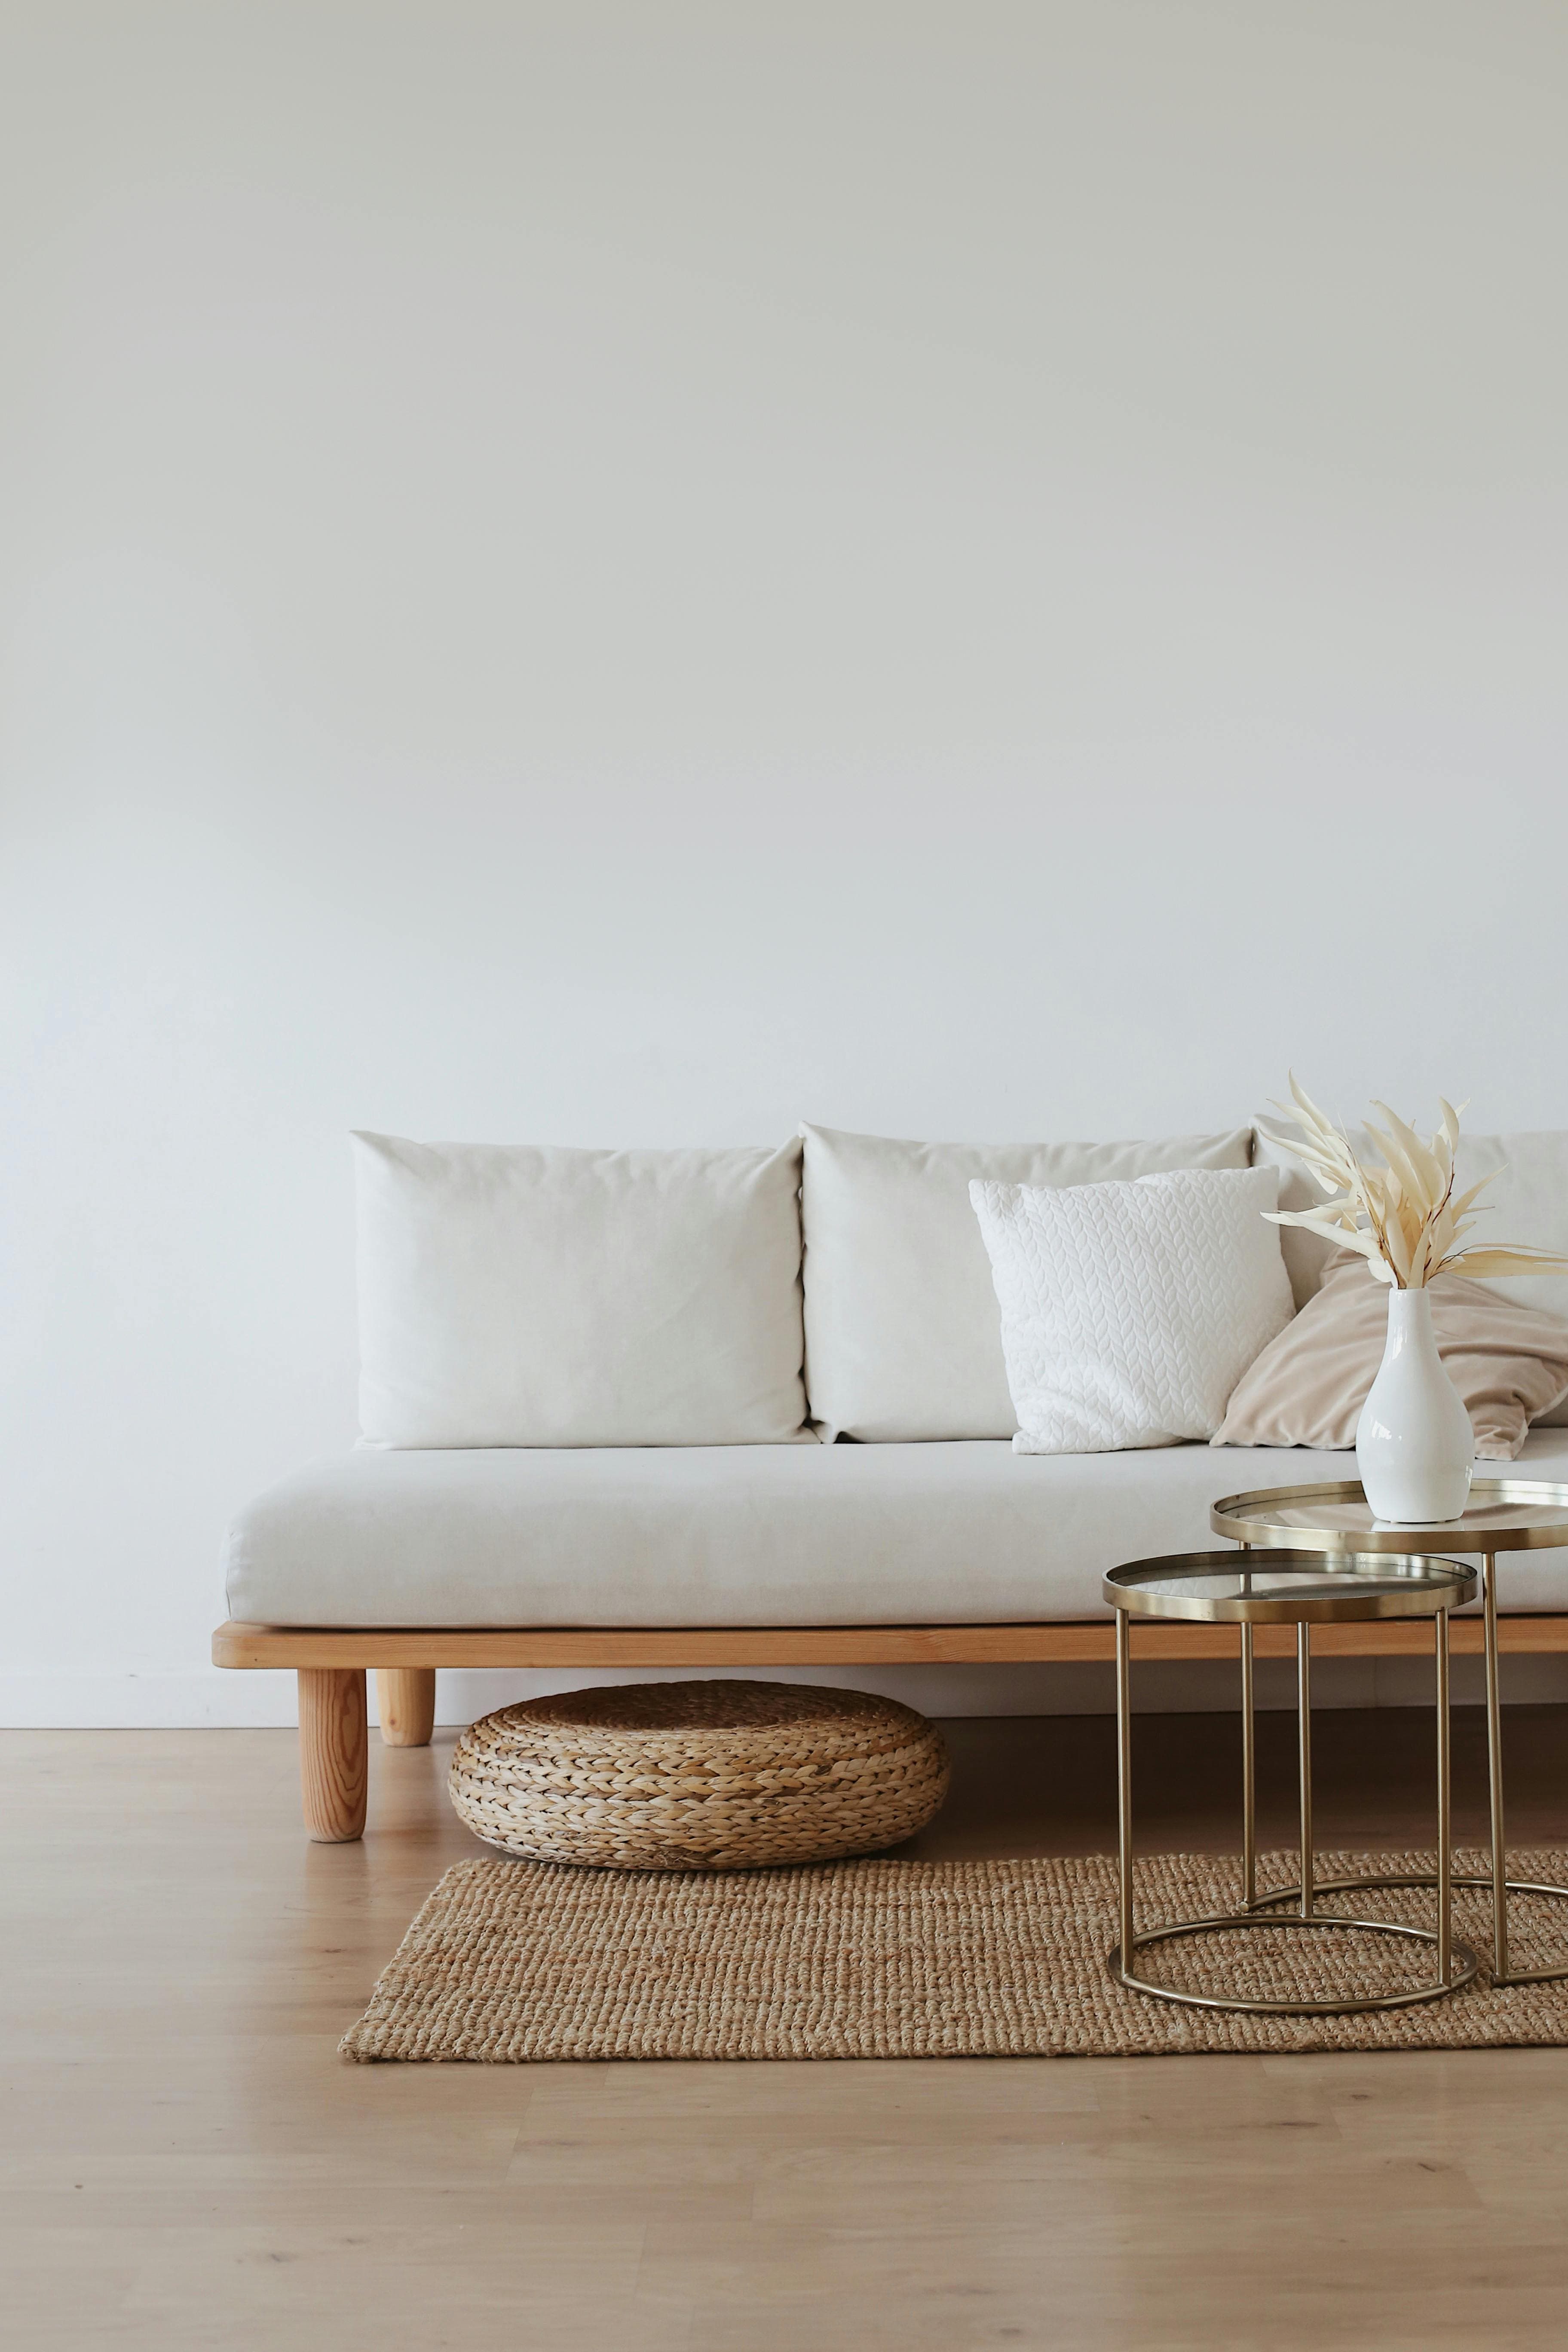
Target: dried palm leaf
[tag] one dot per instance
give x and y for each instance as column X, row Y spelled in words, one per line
column 1402, row 1217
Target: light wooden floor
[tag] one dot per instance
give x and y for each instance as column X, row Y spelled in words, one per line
column 187, row 2163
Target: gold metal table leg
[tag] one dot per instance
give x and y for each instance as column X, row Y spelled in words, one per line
column 1248, row 1759
column 1304, row 1750
column 1248, row 1778
column 1494, row 1780
column 1444, row 1804
column 1124, row 1784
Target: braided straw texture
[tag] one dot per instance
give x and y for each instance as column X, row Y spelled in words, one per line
column 698, row 1776
column 521, row 1960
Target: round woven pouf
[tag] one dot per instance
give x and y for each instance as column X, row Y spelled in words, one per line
column 698, row 1776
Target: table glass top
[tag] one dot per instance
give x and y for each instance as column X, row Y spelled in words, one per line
column 1284, row 1587
column 1503, row 1514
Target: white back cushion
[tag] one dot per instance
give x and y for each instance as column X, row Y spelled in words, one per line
column 902, row 1333
column 1528, row 1206
column 1130, row 1311
column 519, row 1297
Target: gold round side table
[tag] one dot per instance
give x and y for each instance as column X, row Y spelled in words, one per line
column 1283, row 1587
column 1335, row 1521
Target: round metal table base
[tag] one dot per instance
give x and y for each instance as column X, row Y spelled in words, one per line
column 1554, row 1974
column 1463, row 1963
column 1504, row 1515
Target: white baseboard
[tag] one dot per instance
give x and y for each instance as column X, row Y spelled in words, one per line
column 212, row 1699
column 146, row 1701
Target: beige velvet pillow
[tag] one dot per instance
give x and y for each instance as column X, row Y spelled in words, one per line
column 1509, row 1362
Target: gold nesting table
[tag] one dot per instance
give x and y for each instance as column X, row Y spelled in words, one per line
column 1284, row 1586
column 1334, row 1522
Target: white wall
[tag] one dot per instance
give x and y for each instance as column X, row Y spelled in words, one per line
column 635, row 572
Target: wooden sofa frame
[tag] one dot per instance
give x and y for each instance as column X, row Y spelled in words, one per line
column 331, row 1664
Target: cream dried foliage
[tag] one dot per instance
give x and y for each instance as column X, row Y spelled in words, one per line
column 1402, row 1218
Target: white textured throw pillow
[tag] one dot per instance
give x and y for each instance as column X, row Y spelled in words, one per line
column 514, row 1296
column 1131, row 1311
column 902, row 1334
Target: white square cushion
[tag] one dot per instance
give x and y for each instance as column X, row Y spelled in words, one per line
column 753, row 1535
column 1529, row 1204
column 1130, row 1311
column 549, row 1297
column 902, row 1334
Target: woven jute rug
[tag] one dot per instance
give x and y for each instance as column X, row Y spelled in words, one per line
column 511, row 1961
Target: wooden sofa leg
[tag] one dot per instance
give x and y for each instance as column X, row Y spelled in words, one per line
column 406, row 1701
column 333, row 1751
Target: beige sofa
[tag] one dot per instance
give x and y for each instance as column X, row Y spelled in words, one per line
column 914, row 1537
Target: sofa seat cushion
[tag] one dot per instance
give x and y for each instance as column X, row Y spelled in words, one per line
column 767, row 1535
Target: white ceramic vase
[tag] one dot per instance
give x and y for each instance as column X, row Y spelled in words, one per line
column 1414, row 1444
